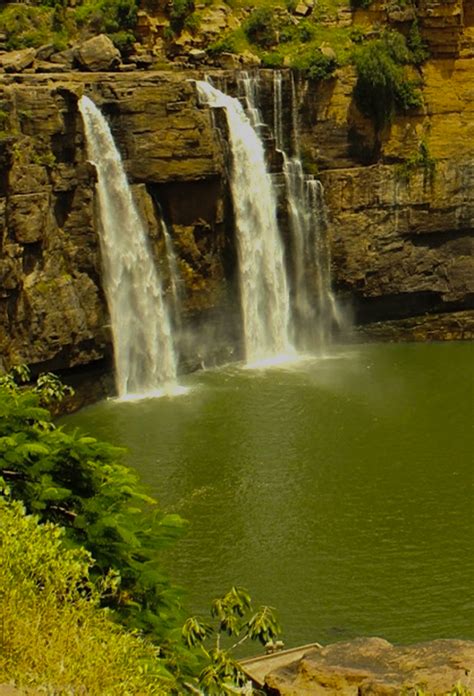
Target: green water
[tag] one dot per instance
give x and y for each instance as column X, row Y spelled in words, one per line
column 339, row 491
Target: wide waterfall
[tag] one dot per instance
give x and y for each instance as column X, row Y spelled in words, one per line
column 315, row 310
column 145, row 360
column 263, row 283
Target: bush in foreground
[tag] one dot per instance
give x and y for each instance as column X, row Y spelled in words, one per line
column 53, row 631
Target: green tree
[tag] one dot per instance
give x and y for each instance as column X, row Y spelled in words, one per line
column 233, row 616
column 382, row 86
column 82, row 484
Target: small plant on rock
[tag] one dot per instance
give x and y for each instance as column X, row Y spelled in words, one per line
column 233, row 616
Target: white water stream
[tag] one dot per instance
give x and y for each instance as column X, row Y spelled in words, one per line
column 315, row 310
column 145, row 360
column 263, row 283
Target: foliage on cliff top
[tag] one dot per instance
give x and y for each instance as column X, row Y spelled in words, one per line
column 51, row 21
column 53, row 631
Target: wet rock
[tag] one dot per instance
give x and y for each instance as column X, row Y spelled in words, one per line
column 98, row 54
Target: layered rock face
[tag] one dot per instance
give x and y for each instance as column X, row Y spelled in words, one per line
column 400, row 203
column 52, row 308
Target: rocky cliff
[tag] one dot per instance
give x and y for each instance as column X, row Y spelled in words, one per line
column 400, row 201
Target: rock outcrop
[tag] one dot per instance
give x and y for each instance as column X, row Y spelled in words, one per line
column 52, row 306
column 98, row 54
column 372, row 666
column 400, row 201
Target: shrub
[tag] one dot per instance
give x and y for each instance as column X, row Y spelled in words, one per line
column 272, row 59
column 382, row 87
column 80, row 483
column 108, row 16
column 418, row 49
column 26, row 26
column 315, row 65
column 53, row 630
column 180, row 9
column 259, row 27
column 419, row 161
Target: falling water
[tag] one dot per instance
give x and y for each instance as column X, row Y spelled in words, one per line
column 315, row 308
column 263, row 284
column 174, row 276
column 144, row 356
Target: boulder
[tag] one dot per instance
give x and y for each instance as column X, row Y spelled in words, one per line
column 302, row 9
column 197, row 55
column 228, row 61
column 16, row 61
column 65, row 58
column 372, row 666
column 98, row 54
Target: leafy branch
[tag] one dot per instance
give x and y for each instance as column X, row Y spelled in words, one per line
column 233, row 616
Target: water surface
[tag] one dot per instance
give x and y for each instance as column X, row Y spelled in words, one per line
column 337, row 490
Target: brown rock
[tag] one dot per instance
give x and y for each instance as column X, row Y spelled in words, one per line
column 98, row 54
column 65, row 58
column 28, row 216
column 16, row 61
column 373, row 666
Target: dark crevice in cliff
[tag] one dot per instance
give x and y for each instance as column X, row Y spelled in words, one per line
column 459, row 241
column 32, row 255
column 404, row 305
column 62, row 206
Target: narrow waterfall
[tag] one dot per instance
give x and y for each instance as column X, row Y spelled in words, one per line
column 263, row 284
column 174, row 277
column 145, row 361
column 315, row 310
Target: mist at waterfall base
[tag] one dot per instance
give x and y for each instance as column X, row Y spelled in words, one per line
column 145, row 360
column 336, row 491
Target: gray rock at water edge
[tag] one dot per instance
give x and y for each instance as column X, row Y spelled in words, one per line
column 17, row 61
column 98, row 54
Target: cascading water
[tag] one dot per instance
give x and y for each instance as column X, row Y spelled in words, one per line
column 263, row 283
column 143, row 348
column 314, row 304
column 174, row 277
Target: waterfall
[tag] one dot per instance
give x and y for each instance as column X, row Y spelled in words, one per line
column 315, row 310
column 145, row 361
column 174, row 277
column 263, row 284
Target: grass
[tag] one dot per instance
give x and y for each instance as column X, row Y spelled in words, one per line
column 52, row 632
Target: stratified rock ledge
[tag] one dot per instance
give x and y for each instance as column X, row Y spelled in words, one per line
column 373, row 666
